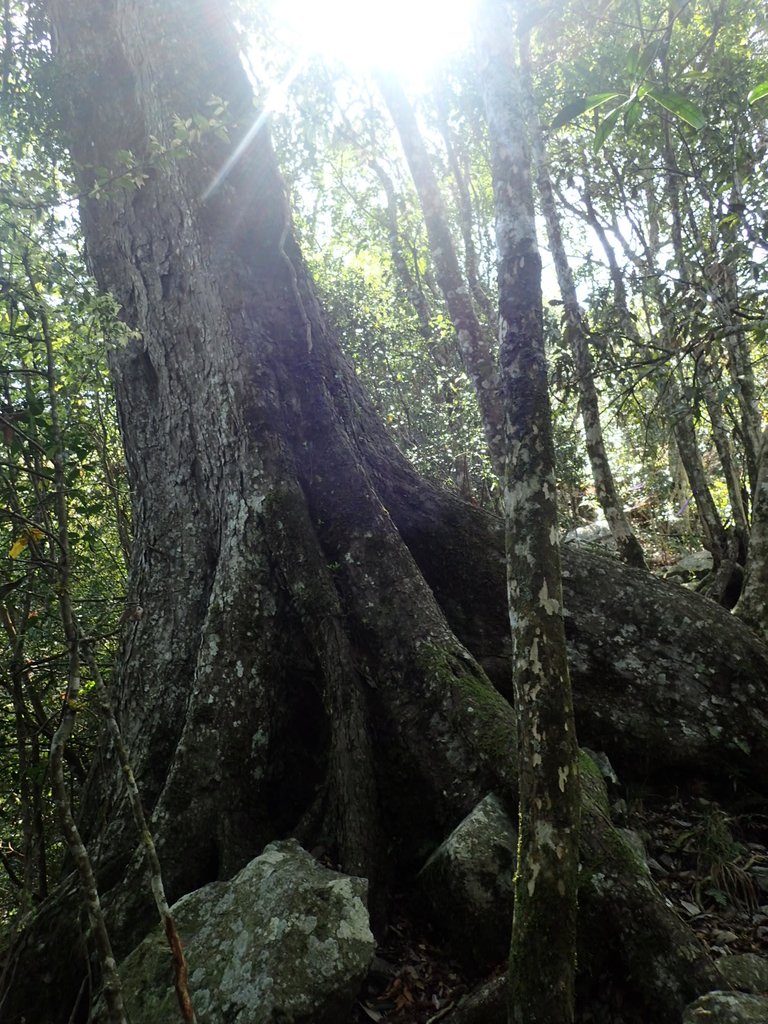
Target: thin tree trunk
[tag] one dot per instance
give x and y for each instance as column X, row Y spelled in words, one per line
column 478, row 357
column 464, row 203
column 752, row 606
column 27, row 751
column 627, row 544
column 543, row 949
column 677, row 411
column 721, row 279
column 412, row 289
column 722, row 441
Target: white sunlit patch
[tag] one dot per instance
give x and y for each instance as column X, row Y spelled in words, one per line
column 275, row 100
column 405, row 36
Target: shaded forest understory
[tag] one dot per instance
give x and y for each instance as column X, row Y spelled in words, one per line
column 666, row 683
column 713, row 876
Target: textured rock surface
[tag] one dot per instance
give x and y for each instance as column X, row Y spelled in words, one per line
column 468, row 884
column 727, row 1008
column 697, row 563
column 745, row 971
column 284, row 940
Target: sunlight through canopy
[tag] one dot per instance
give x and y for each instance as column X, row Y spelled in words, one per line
column 399, row 35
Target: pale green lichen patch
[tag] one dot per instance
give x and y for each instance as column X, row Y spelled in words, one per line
column 545, row 833
column 284, row 939
column 727, row 1008
column 534, row 872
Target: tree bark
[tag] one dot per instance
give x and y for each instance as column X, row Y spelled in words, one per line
column 721, row 437
column 262, row 551
column 542, row 960
column 479, row 360
column 752, row 606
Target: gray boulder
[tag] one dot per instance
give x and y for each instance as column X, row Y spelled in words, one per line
column 284, row 940
column 745, row 971
column 727, row 1008
column 696, row 563
column 598, row 532
column 467, row 884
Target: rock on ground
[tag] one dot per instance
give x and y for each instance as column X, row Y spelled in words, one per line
column 284, row 940
column 745, row 971
column 467, row 883
column 727, row 1008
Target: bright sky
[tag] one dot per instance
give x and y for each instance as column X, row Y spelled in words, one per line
column 410, row 37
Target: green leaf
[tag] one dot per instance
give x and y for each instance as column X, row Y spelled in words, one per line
column 605, row 128
column 632, row 112
column 678, row 105
column 758, row 92
column 569, row 113
column 638, row 61
column 599, row 98
column 577, row 107
column 632, row 63
column 648, row 56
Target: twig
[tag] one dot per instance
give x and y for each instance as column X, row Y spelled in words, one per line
column 181, row 974
column 113, row 995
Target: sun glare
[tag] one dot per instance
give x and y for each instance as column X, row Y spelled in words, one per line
column 409, row 37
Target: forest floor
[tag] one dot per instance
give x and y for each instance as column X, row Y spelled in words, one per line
column 711, row 865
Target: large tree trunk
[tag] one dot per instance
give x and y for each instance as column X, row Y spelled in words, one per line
column 281, row 610
column 302, row 592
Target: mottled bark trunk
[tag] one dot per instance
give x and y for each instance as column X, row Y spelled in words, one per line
column 542, row 959
column 479, row 359
column 627, row 544
column 663, row 975
column 752, row 607
column 721, row 437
